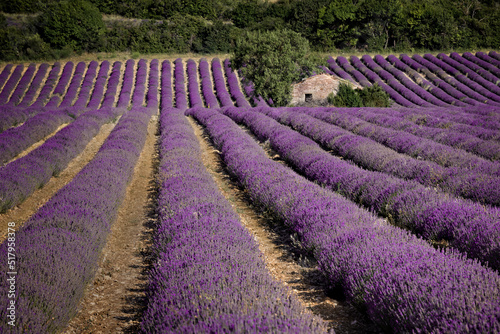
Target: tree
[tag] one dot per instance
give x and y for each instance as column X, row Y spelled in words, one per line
column 75, row 24
column 272, row 61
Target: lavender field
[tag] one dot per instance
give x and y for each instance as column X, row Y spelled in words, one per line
column 399, row 207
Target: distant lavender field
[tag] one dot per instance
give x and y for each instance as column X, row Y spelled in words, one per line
column 400, row 206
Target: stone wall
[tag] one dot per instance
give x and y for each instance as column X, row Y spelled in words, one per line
column 315, row 88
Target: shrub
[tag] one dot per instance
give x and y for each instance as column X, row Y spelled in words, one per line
column 374, row 96
column 346, row 97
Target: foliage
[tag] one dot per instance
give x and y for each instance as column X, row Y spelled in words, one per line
column 374, row 96
column 76, row 24
column 272, row 61
column 345, row 97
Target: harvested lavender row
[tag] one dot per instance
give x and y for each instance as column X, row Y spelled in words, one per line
column 74, row 86
column 206, row 85
column 58, row 248
column 21, row 87
column 180, row 88
column 234, row 88
column 458, row 80
column 140, row 83
column 338, row 71
column 110, row 95
column 34, row 86
column 220, row 84
column 193, row 86
column 166, row 90
column 208, row 274
column 488, row 58
column 445, row 86
column 88, row 83
column 8, row 118
column 423, row 211
column 344, row 63
column 487, row 70
column 391, row 81
column 11, row 84
column 152, row 94
column 128, row 82
column 432, row 94
column 5, row 74
column 396, row 96
column 22, row 177
column 404, row 284
column 100, row 84
column 407, row 143
column 436, row 118
column 455, row 68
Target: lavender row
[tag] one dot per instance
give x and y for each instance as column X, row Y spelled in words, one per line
column 152, row 94
column 462, row 93
column 10, row 117
column 140, row 83
column 23, row 176
column 488, row 58
column 58, row 248
column 220, row 84
column 208, row 274
column 407, row 143
column 100, row 84
column 338, row 71
column 166, row 90
column 344, row 63
column 439, row 118
column 396, row 96
column 424, row 211
column 128, row 82
column 179, row 85
column 11, row 84
column 234, row 88
column 75, row 84
column 465, row 65
column 110, row 95
column 488, row 149
column 403, row 283
column 460, row 81
column 456, row 69
column 21, row 87
column 61, row 85
column 391, row 81
column 487, row 70
column 15, row 140
column 87, row 84
column 29, row 96
column 5, row 74
column 432, row 94
column 193, row 85
column 206, row 85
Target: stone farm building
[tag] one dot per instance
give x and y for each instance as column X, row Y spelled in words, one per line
column 315, row 88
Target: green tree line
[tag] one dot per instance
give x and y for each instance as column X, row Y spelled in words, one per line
column 56, row 28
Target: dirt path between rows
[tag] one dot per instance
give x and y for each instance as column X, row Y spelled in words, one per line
column 20, row 213
column 283, row 255
column 113, row 302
